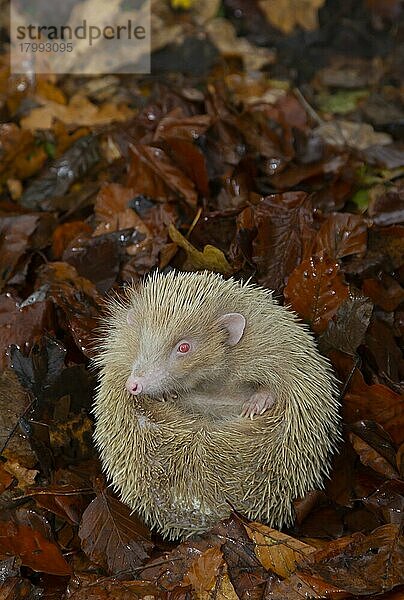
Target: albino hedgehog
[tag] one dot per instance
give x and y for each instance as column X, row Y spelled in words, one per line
column 211, row 396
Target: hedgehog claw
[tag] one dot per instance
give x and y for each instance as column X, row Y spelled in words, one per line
column 258, row 404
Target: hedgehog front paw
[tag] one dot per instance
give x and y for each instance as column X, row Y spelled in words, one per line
column 259, row 402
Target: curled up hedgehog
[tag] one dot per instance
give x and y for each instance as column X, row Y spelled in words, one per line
column 211, row 396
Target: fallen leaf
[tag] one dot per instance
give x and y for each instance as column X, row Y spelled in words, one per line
column 224, row 36
column 315, row 290
column 353, row 135
column 204, row 571
column 277, row 551
column 211, row 258
column 153, row 174
column 25, row 534
column 15, row 232
column 278, row 228
column 363, row 564
column 112, row 537
column 341, row 234
column 347, row 329
column 287, row 14
column 79, row 111
column 6, row 479
column 25, row 477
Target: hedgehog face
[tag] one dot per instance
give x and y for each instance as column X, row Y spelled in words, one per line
column 170, row 363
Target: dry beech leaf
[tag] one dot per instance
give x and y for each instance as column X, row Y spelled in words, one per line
column 79, row 111
column 25, row 477
column 315, row 290
column 112, row 537
column 211, row 258
column 287, row 14
column 277, row 551
column 64, row 234
column 224, row 36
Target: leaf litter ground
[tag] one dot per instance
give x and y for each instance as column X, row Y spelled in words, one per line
column 280, row 160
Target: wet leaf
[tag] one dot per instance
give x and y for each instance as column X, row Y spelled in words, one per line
column 15, row 232
column 315, row 290
column 112, row 537
column 25, row 534
column 278, row 228
column 340, row 235
column 153, row 174
column 347, row 329
column 63, row 172
column 371, row 458
column 363, row 564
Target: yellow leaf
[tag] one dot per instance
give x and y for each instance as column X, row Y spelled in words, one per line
column 277, row 551
column 287, row 14
column 211, row 258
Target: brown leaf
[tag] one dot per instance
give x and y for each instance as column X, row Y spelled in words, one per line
column 112, row 537
column 112, row 210
column 94, row 587
column 301, row 586
column 77, row 297
column 22, row 326
column 25, row 477
column 26, row 535
column 153, row 174
column 6, row 479
column 378, row 403
column 64, row 234
column 15, row 232
column 204, row 571
column 276, row 230
column 61, row 500
column 371, row 458
column 79, row 111
column 363, row 564
column 277, row 551
column 347, row 329
column 20, row 156
column 340, row 235
column 171, row 569
column 385, row 292
column 315, row 290
column 247, row 575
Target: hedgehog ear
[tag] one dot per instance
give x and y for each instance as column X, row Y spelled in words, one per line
column 234, row 323
column 130, row 317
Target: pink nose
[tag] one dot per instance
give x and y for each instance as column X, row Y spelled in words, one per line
column 134, row 385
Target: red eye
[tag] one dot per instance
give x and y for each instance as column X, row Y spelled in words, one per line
column 184, row 347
